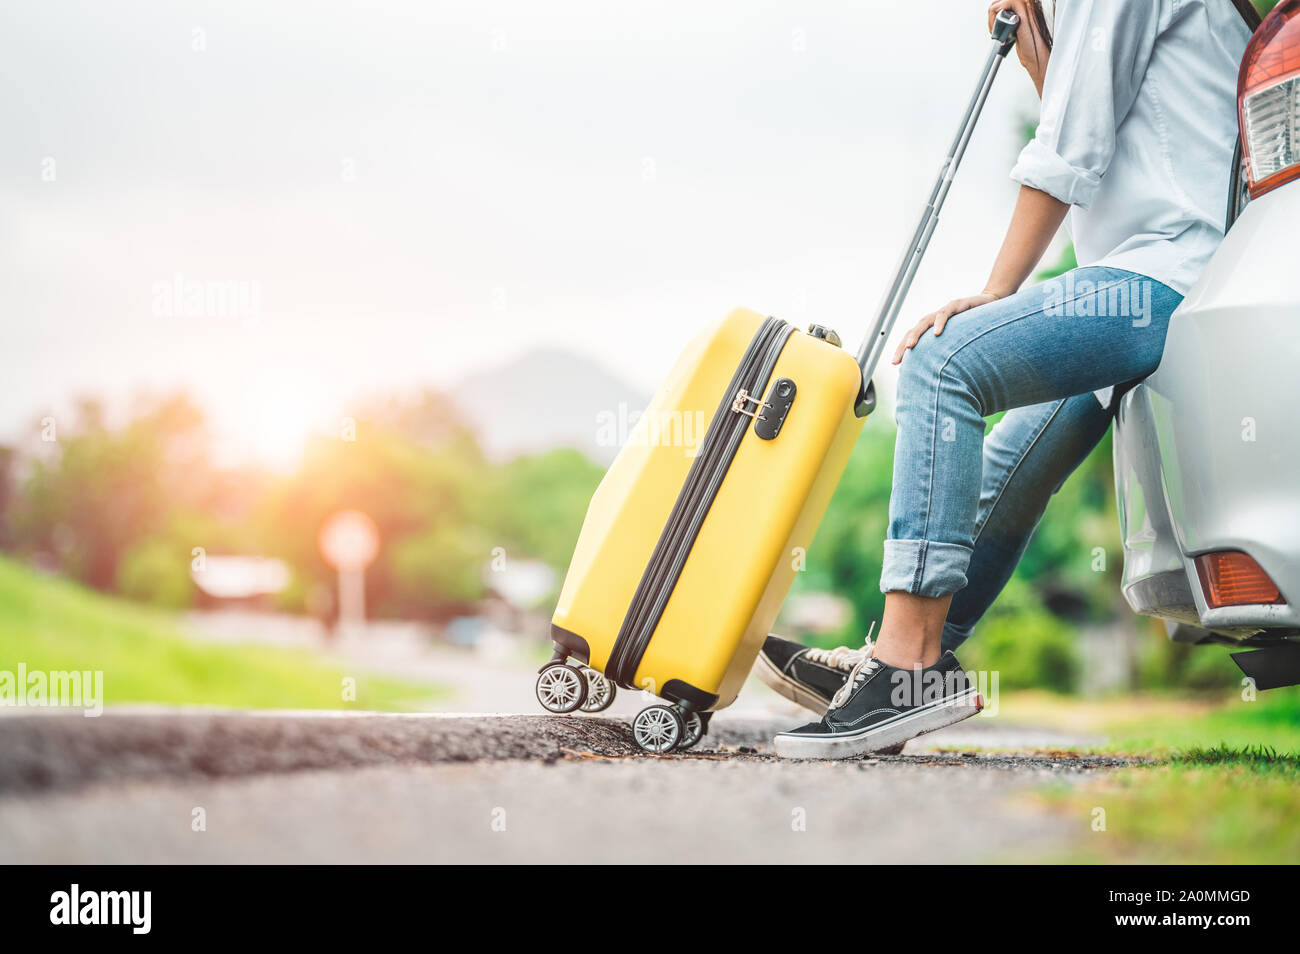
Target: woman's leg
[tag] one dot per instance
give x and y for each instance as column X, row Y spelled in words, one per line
column 1027, row 457
column 1089, row 329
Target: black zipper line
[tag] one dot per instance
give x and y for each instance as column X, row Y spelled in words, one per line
column 669, row 539
column 693, row 503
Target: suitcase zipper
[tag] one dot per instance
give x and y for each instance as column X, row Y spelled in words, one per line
column 721, row 442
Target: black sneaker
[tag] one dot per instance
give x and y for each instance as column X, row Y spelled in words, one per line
column 810, row 677
column 881, row 707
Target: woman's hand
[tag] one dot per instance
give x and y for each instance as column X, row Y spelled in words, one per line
column 937, row 319
column 1032, row 47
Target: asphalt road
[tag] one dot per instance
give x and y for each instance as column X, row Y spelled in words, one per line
column 133, row 786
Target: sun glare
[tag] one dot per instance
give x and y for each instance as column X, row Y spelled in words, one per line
column 279, row 436
column 270, row 427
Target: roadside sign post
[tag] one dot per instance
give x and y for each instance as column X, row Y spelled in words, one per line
column 352, row 596
column 349, row 542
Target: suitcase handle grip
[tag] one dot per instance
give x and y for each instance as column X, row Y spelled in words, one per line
column 1005, row 25
column 1003, row 38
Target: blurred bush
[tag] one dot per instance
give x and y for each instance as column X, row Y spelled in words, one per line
column 443, row 565
column 539, row 501
column 156, row 572
column 1164, row 664
column 1028, row 646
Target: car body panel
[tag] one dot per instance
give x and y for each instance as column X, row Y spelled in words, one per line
column 1207, row 449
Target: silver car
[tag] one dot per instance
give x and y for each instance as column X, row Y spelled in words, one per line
column 1207, row 449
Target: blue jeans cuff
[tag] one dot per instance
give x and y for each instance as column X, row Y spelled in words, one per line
column 923, row 567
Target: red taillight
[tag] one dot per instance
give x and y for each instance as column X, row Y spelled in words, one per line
column 1231, row 578
column 1268, row 100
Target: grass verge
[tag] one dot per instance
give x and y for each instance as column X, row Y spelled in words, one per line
column 49, row 624
column 1199, row 806
column 1223, row 787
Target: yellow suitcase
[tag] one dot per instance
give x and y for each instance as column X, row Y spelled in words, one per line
column 691, row 542
column 695, row 534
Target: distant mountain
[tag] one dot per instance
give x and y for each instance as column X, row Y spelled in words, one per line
column 549, row 398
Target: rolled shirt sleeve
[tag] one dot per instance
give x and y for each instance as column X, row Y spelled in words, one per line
column 1100, row 52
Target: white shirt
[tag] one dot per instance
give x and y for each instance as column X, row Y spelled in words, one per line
column 1137, row 129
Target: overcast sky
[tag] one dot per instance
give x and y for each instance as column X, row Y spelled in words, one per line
column 409, row 191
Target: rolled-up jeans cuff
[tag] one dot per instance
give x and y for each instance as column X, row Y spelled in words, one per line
column 923, row 567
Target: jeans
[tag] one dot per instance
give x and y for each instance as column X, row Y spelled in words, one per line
column 964, row 505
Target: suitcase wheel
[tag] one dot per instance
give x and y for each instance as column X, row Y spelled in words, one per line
column 658, row 729
column 696, row 726
column 561, row 688
column 600, row 692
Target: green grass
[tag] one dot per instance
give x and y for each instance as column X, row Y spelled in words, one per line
column 1271, row 721
column 51, row 624
column 1252, row 756
column 1204, row 806
column 1223, row 787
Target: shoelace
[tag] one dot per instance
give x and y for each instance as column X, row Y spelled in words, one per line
column 864, row 664
column 841, row 657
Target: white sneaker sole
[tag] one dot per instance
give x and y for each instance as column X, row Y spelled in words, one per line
column 782, row 684
column 895, row 732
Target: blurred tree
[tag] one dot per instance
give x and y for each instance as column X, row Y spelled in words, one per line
column 845, row 557
column 100, row 491
column 430, row 419
column 1028, row 646
column 409, row 490
column 122, row 508
column 439, row 570
column 538, row 503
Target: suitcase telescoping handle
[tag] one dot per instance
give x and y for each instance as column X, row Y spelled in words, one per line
column 1003, row 38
